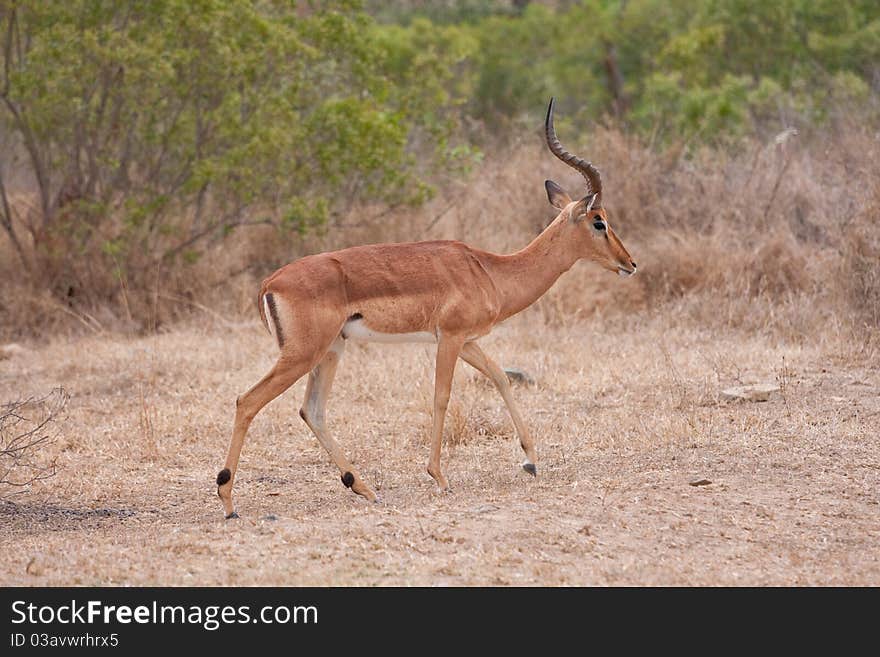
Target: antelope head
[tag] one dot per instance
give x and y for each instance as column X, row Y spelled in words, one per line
column 592, row 236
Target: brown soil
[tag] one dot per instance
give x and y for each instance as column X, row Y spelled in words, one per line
column 627, row 418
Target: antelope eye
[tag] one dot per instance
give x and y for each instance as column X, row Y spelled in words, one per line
column 599, row 224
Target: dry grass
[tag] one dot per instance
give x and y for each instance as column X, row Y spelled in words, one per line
column 786, row 233
column 626, row 414
column 755, row 266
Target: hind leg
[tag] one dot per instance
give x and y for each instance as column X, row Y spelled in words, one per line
column 312, row 412
column 304, row 339
column 280, row 378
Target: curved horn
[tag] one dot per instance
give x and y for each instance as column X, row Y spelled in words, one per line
column 586, row 169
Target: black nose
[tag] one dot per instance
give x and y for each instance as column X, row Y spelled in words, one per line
column 633, row 263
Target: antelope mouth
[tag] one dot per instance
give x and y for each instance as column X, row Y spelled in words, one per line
column 624, row 272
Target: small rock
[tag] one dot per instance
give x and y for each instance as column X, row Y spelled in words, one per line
column 757, row 393
column 516, row 375
column 484, row 508
column 700, row 482
column 34, row 567
column 763, row 512
column 784, row 136
column 271, row 516
column 10, row 350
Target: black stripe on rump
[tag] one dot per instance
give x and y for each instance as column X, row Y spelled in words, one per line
column 273, row 313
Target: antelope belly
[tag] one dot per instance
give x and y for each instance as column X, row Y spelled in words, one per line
column 358, row 331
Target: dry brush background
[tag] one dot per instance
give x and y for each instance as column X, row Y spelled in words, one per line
column 756, row 265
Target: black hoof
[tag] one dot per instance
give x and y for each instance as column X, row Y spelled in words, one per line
column 531, row 469
column 232, row 515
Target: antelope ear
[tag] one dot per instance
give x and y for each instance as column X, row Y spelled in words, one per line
column 582, row 209
column 590, row 200
column 556, row 195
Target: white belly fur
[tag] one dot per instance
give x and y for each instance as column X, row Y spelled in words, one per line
column 358, row 331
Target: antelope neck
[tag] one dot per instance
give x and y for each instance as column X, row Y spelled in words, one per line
column 523, row 277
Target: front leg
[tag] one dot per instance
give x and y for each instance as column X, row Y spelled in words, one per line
column 473, row 355
column 448, row 350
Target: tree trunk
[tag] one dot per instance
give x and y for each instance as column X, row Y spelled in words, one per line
column 6, row 220
column 620, row 102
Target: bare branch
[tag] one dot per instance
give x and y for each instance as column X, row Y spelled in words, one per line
column 27, row 428
column 7, row 52
column 170, row 253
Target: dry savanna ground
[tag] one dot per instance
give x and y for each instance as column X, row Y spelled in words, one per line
column 627, row 413
column 757, row 265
